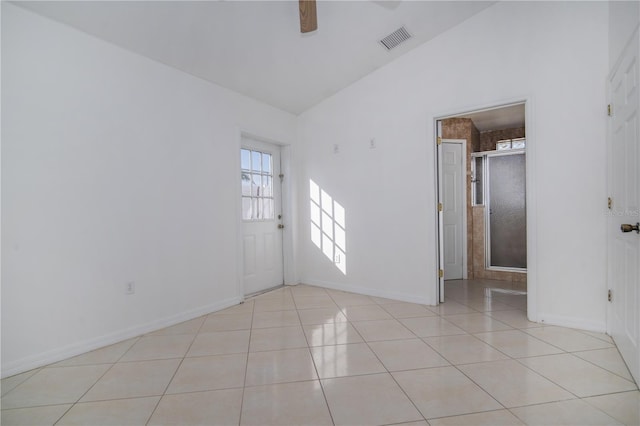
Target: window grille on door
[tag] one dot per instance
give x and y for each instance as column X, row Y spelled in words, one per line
column 257, row 185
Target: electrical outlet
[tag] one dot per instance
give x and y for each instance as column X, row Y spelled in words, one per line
column 130, row 287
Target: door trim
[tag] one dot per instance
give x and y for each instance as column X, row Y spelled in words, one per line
column 531, row 196
column 463, row 182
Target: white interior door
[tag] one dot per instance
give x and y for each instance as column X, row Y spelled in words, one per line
column 261, row 215
column 454, row 207
column 624, row 189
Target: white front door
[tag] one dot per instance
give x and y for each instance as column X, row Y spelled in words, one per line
column 623, row 321
column 454, row 207
column 261, row 215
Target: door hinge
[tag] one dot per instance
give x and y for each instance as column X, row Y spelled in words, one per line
column 440, row 273
column 609, row 110
column 609, row 203
column 440, row 207
column 439, row 141
column 609, row 296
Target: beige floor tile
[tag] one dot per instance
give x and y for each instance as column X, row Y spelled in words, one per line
column 41, row 416
column 311, row 302
column 382, row 300
column 366, row 313
column 230, row 322
column 132, row 411
column 573, row 412
column 220, row 343
column 517, row 344
column 289, row 365
column 133, row 379
column 220, row 407
column 601, row 336
column 567, row 339
column 431, row 326
column 514, row 385
column 273, row 339
column 578, row 376
column 337, row 333
column 451, row 307
column 464, row 349
column 398, row 355
column 487, row 304
column 275, row 319
column 407, row 310
column 624, row 406
column 283, row 294
column 55, row 385
column 351, row 299
column 266, row 305
column 186, row 327
column 444, row 391
column 159, row 347
column 345, row 360
column 515, row 318
column 368, row 400
column 321, row 316
column 609, row 359
column 488, row 418
column 379, row 330
column 477, row 323
column 241, row 308
column 518, row 302
column 209, row 373
column 306, row 290
column 107, row 355
column 9, row 383
column 300, row 403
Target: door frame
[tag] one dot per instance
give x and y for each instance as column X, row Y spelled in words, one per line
column 531, row 196
column 288, row 219
column 463, row 184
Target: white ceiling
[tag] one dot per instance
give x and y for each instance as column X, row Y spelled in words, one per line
column 255, row 47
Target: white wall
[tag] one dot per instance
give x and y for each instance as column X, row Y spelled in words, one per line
column 623, row 20
column 114, row 169
column 555, row 55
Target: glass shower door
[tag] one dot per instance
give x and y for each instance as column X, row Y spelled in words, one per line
column 507, row 222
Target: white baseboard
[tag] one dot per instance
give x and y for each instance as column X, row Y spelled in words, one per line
column 79, row 348
column 572, row 322
column 393, row 295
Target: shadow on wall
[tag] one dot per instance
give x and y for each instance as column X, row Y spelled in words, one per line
column 328, row 226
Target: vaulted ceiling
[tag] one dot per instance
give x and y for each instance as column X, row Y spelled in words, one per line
column 255, row 47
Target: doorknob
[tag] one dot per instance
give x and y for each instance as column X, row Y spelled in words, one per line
column 628, row 228
column 280, row 226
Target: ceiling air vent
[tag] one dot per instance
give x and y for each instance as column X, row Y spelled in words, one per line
column 395, row 38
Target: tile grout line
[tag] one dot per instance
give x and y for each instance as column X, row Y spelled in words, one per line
column 137, row 339
column 174, row 373
column 313, row 360
column 246, row 365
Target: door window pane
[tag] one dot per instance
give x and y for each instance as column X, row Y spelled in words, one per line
column 245, row 159
column 257, row 185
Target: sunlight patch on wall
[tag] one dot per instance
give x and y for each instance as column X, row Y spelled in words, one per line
column 328, row 226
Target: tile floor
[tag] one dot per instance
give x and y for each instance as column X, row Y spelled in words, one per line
column 306, row 355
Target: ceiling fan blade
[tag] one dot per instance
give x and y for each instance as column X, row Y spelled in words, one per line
column 308, row 16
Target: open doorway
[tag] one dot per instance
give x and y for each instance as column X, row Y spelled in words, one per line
column 494, row 230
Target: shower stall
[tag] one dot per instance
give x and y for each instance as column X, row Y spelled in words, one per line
column 498, row 179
